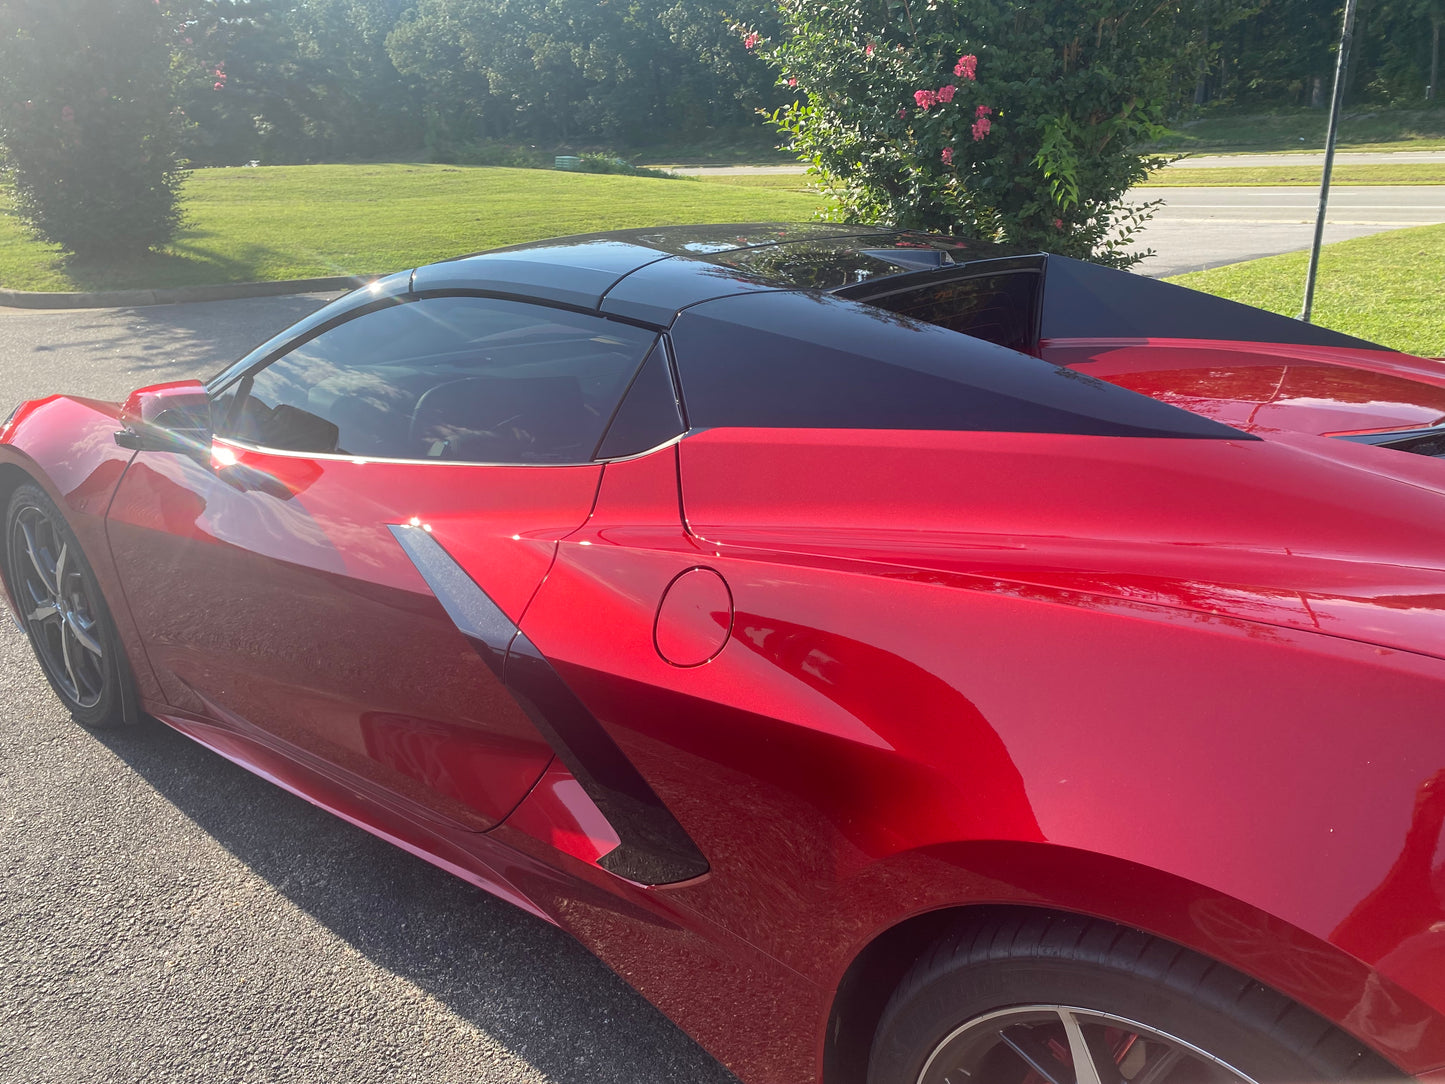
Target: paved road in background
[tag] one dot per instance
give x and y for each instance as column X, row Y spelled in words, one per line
column 168, row 918
column 1196, row 228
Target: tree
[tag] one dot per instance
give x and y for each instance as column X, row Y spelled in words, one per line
column 87, row 126
column 576, row 71
column 1006, row 121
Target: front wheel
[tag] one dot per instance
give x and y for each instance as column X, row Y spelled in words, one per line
column 1037, row 999
column 63, row 611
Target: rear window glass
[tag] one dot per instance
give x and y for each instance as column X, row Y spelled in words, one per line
column 1000, row 309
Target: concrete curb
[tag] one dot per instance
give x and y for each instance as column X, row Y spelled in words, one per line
column 228, row 291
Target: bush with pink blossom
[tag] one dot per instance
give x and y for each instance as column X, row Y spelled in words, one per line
column 1009, row 122
column 88, row 131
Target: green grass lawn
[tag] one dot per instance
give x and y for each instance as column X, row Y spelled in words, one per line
column 285, row 222
column 1304, row 130
column 1247, row 176
column 778, row 182
column 1384, row 288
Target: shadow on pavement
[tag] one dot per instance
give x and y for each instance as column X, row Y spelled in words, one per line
column 526, row 984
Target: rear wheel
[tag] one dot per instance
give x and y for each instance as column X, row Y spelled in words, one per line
column 1062, row 1000
column 63, row 611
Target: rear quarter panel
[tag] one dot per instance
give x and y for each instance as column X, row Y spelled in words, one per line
column 894, row 727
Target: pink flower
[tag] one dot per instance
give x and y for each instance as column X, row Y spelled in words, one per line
column 926, row 99
column 947, row 156
column 67, row 114
column 752, row 40
column 868, row 49
column 945, row 94
column 1058, row 223
column 966, row 66
column 980, row 128
column 220, row 86
column 792, row 80
column 983, row 111
column 903, row 114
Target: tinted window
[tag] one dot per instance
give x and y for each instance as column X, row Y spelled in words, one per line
column 649, row 415
column 463, row 379
column 1000, row 309
column 809, row 361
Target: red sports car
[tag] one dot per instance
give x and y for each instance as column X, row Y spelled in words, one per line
column 906, row 661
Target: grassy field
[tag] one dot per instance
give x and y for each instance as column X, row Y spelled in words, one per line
column 1384, row 288
column 778, row 182
column 1303, row 175
column 286, row 222
column 1304, row 130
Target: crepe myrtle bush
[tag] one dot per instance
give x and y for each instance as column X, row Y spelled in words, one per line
column 1001, row 120
column 88, row 135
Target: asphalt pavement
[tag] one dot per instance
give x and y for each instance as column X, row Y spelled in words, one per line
column 1195, row 228
column 166, row 917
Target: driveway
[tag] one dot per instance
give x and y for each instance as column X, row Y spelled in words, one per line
column 168, row 917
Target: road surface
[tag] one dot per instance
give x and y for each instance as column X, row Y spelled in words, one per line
column 168, row 917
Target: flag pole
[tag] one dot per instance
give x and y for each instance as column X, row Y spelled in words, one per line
column 1342, row 61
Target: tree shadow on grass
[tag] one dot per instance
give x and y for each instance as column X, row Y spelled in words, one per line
column 188, row 261
column 526, row 984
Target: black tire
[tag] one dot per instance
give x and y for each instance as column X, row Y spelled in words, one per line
column 63, row 611
column 1144, row 1011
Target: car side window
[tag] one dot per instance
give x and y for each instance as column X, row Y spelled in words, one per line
column 461, row 379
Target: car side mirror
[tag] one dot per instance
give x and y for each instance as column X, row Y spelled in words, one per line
column 173, row 417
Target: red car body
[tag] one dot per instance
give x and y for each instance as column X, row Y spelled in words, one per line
column 837, row 685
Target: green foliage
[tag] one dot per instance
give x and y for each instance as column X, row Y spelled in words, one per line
column 577, row 72
column 88, row 133
column 610, row 163
column 301, row 81
column 1005, row 121
column 486, row 152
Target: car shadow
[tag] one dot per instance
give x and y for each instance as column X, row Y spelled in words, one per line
column 524, row 983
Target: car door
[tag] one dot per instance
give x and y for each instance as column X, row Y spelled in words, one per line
column 269, row 580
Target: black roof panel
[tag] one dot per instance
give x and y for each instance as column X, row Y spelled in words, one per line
column 569, row 273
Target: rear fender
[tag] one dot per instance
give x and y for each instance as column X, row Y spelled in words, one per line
column 1063, row 880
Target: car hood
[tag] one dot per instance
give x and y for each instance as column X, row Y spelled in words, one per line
column 1268, row 388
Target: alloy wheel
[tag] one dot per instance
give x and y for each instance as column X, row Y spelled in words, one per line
column 57, row 606
column 1060, row 1044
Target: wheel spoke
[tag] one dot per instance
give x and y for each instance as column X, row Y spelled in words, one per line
column 44, row 612
column 60, row 570
column 84, row 635
column 32, row 548
column 1036, row 1055
column 1087, row 1069
column 69, row 665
